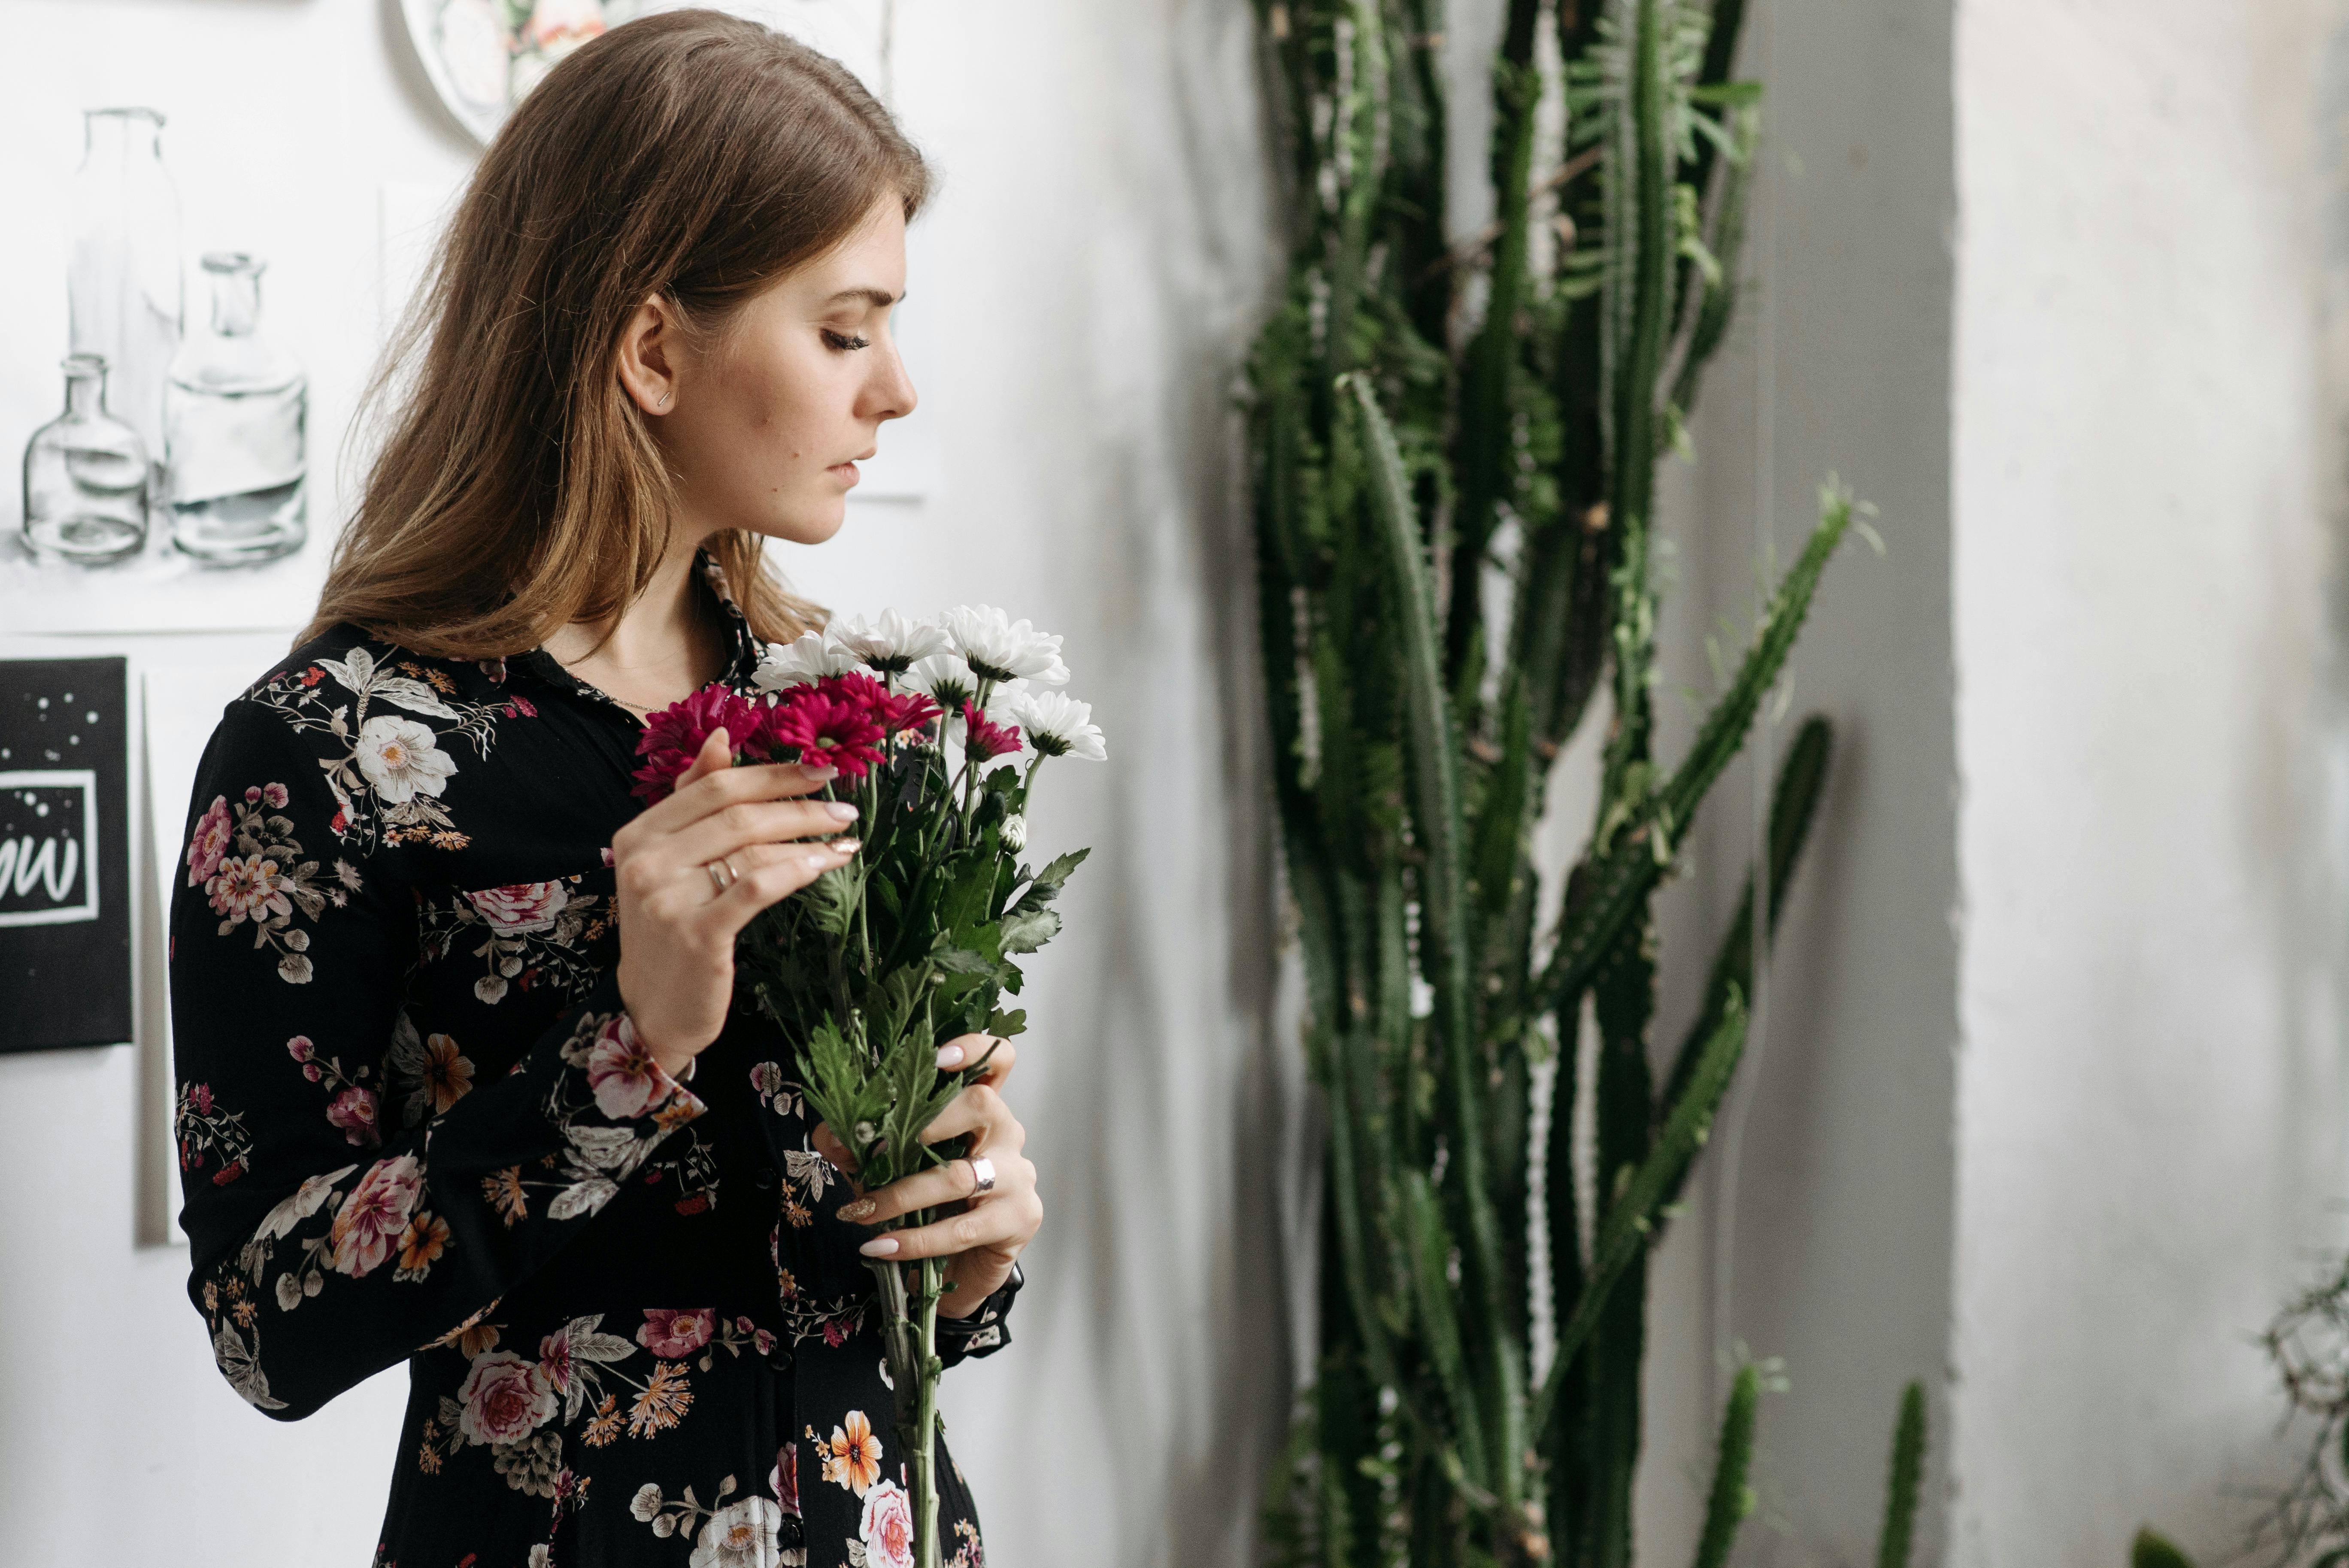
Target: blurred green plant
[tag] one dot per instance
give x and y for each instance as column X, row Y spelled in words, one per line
column 1455, row 453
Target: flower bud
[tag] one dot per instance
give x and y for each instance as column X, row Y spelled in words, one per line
column 1015, row 832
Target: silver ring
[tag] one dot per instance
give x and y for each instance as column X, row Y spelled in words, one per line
column 722, row 882
column 982, row 1174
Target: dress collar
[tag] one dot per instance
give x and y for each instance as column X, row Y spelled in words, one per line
column 744, row 651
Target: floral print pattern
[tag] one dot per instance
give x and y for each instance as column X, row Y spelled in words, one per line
column 415, row 1120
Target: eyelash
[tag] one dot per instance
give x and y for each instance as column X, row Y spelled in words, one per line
column 844, row 341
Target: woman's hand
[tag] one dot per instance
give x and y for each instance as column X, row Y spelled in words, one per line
column 981, row 1243
column 676, row 927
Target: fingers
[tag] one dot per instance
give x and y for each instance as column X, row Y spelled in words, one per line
column 963, row 1050
column 745, row 822
column 703, row 789
column 979, row 1111
column 951, row 1182
column 842, row 1157
column 754, row 889
column 1011, row 1214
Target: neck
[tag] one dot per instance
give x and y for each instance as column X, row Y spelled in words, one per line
column 658, row 649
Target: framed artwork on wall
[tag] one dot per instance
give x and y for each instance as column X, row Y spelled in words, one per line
column 64, row 861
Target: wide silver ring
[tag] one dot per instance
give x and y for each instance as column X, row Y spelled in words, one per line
column 722, row 874
column 982, row 1174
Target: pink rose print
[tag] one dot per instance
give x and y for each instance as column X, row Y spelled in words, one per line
column 371, row 1219
column 273, row 796
column 504, row 1398
column 555, row 1361
column 783, row 1480
column 200, row 1095
column 300, row 1049
column 674, row 1335
column 627, row 1080
column 252, row 794
column 209, row 844
column 353, row 1110
column 887, row 1527
column 520, row 907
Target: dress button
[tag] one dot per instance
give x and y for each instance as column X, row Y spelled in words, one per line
column 765, row 1176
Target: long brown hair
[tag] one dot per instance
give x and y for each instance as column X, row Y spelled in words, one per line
column 687, row 154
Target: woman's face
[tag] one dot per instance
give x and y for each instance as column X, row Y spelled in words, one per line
column 764, row 426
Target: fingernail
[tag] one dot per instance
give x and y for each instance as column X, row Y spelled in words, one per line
column 949, row 1055
column 859, row 1210
column 847, row 846
column 841, row 811
column 820, row 860
column 880, row 1247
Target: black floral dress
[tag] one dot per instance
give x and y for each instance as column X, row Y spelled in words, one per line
column 415, row 1124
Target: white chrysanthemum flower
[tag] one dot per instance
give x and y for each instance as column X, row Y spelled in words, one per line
column 803, row 663
column 892, row 645
column 1000, row 648
column 944, row 679
column 1015, row 832
column 1056, row 724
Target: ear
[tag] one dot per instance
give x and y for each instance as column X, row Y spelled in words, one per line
column 651, row 355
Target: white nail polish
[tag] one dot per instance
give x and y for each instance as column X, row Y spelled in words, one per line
column 819, row 861
column 880, row 1247
column 841, row 810
column 949, row 1055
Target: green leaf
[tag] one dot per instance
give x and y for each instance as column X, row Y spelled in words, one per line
column 1026, row 930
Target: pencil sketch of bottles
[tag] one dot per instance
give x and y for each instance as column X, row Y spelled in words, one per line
column 124, row 286
column 85, row 476
column 234, row 406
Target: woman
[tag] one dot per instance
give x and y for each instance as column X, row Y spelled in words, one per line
column 462, row 1081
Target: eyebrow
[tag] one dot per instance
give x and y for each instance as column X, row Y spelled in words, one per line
column 879, row 298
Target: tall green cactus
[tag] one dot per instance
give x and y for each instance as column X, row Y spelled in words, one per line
column 1454, row 554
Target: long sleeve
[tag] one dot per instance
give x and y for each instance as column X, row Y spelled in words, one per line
column 983, row 1330
column 352, row 1195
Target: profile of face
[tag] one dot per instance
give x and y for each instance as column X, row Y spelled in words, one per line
column 764, row 422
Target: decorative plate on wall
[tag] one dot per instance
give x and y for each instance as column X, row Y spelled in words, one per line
column 484, row 55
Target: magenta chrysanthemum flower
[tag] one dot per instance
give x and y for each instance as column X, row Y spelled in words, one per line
column 675, row 736
column 825, row 728
column 910, row 710
column 984, row 738
column 894, row 712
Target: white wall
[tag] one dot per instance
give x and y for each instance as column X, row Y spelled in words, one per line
column 1085, row 285
column 2150, row 1113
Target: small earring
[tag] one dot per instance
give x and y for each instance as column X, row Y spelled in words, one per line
column 664, row 402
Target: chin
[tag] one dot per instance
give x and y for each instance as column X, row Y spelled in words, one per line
column 811, row 523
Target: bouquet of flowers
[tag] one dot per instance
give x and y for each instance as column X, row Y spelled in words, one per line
column 915, row 941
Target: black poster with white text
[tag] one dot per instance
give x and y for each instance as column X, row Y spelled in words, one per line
column 65, row 862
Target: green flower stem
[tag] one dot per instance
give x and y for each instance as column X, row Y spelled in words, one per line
column 909, row 1337
column 924, row 1461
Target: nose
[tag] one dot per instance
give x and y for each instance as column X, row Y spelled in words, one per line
column 889, row 393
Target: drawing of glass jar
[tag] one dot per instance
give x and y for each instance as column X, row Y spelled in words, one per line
column 236, row 405
column 85, row 476
column 124, row 283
